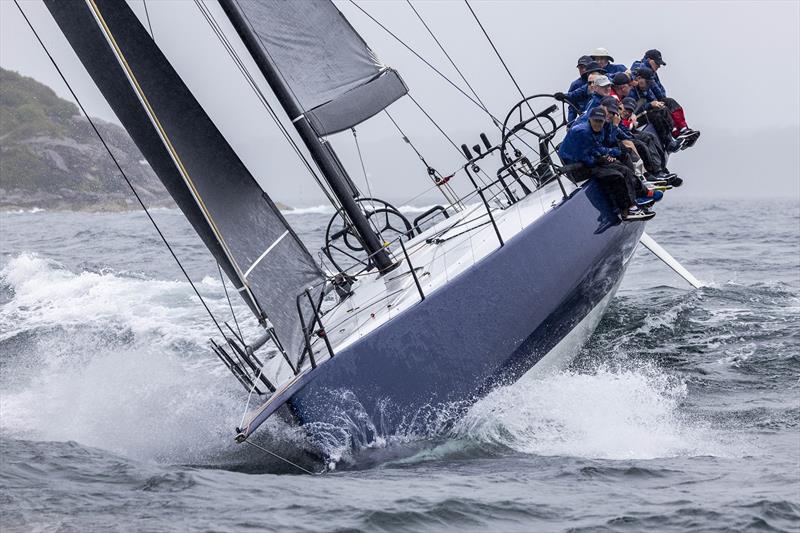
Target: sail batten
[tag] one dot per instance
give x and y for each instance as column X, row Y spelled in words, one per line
column 236, row 220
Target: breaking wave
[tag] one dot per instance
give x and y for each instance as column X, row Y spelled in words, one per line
column 116, row 363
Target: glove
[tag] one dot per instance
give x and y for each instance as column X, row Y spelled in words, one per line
column 561, row 97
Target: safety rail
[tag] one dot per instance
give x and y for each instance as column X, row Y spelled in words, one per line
column 506, row 189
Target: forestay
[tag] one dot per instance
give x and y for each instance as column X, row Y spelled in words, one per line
column 333, row 75
column 236, row 220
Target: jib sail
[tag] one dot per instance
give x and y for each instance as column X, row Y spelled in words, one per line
column 236, row 220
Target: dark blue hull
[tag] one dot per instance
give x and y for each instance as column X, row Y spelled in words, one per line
column 488, row 326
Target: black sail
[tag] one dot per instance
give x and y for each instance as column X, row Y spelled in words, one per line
column 334, row 77
column 236, row 220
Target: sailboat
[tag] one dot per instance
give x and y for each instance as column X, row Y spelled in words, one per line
column 402, row 318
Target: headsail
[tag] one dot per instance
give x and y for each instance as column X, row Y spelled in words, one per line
column 236, row 220
column 335, row 78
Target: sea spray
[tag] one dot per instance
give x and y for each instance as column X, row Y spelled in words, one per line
column 631, row 413
column 115, row 362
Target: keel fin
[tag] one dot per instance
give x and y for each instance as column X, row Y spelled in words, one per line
column 670, row 261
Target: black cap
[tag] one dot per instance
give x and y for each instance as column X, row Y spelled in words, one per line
column 594, row 66
column 629, row 103
column 655, row 55
column 644, row 72
column 610, row 103
column 583, row 61
column 597, row 113
column 621, row 78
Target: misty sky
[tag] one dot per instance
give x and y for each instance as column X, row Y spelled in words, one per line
column 733, row 66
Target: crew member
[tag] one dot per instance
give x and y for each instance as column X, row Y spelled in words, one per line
column 605, row 60
column 648, row 147
column 583, row 147
column 600, row 88
column 653, row 60
column 655, row 111
column 615, row 136
column 578, row 94
column 621, row 85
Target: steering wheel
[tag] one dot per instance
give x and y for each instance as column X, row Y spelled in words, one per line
column 343, row 245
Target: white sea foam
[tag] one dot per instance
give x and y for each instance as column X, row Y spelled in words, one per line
column 115, row 363
column 31, row 211
column 324, row 209
column 48, row 295
column 607, row 414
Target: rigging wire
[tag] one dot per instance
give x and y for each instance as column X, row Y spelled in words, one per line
column 273, row 454
column 505, row 66
column 209, row 17
column 147, row 14
column 441, row 47
column 477, row 102
column 366, row 180
column 361, row 158
column 497, row 52
column 444, row 187
column 230, row 305
column 119, row 168
column 443, row 133
column 437, row 71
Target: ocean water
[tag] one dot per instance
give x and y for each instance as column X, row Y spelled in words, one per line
column 681, row 414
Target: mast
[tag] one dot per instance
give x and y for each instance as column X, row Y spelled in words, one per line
column 320, row 150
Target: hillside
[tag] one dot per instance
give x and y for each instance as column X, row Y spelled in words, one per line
column 51, row 158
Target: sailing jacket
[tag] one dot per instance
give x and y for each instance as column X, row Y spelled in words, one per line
column 658, row 89
column 617, row 133
column 647, row 95
column 612, row 69
column 594, row 101
column 583, row 145
column 578, row 95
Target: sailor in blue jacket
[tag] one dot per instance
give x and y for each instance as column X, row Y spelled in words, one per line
column 605, row 60
column 585, row 141
column 653, row 60
column 657, row 113
column 578, row 94
column 584, row 146
column 601, row 88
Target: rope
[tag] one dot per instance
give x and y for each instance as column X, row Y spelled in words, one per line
column 119, row 167
column 275, row 455
column 443, row 133
column 230, row 305
column 361, row 158
column 444, row 187
column 366, row 179
column 250, row 395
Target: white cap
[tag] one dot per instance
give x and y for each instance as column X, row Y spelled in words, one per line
column 601, row 52
column 601, row 81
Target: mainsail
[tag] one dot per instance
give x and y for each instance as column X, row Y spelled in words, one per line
column 236, row 220
column 334, row 77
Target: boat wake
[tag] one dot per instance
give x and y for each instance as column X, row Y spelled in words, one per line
column 137, row 380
